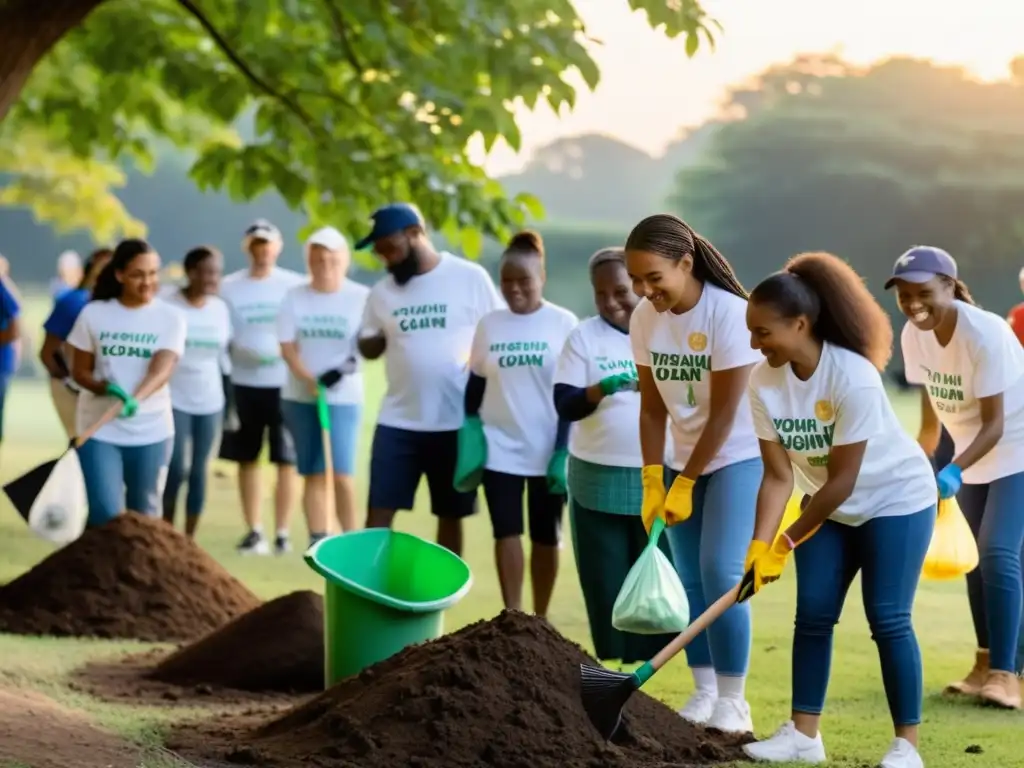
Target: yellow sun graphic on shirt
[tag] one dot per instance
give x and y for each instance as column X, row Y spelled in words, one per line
column 824, row 411
column 698, row 342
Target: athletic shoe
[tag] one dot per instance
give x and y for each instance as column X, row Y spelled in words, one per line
column 1001, row 689
column 253, row 543
column 971, row 685
column 699, row 707
column 788, row 745
column 901, row 754
column 731, row 716
column 282, row 545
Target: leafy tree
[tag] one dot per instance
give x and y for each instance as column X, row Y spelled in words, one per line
column 355, row 102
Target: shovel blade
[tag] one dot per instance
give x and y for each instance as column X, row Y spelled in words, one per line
column 604, row 693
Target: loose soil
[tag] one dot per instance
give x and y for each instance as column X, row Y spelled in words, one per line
column 272, row 653
column 504, row 693
column 39, row 733
column 134, row 578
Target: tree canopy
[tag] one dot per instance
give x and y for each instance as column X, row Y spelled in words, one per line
column 352, row 103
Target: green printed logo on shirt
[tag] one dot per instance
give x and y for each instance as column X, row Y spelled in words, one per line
column 203, row 337
column 809, row 435
column 518, row 354
column 946, row 389
column 323, row 327
column 606, row 365
column 420, row 316
column 116, row 344
column 259, row 312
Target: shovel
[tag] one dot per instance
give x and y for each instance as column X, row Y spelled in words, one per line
column 323, row 412
column 606, row 692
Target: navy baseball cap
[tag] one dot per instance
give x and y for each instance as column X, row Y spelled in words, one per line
column 920, row 264
column 390, row 219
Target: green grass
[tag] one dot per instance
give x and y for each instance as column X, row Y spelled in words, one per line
column 856, row 726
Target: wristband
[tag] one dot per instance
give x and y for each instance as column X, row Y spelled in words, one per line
column 789, row 541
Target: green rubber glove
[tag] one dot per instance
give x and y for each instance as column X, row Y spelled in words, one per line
column 558, row 484
column 620, row 382
column 472, row 446
column 131, row 405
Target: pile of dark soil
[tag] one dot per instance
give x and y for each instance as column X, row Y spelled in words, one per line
column 277, row 647
column 134, row 578
column 503, row 693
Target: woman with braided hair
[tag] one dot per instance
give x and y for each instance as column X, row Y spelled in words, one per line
column 693, row 359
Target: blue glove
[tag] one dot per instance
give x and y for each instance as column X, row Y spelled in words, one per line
column 949, row 480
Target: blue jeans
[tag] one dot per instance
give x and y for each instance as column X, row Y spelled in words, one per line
column 995, row 512
column 119, row 477
column 708, row 550
column 304, row 425
column 194, row 438
column 888, row 552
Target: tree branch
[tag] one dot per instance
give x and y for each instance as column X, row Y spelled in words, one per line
column 341, row 27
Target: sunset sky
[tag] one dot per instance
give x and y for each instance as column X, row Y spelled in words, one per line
column 649, row 88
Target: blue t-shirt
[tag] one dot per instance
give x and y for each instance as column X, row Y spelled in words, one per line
column 65, row 312
column 9, row 310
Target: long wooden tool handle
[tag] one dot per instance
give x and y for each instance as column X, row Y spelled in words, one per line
column 332, row 503
column 109, row 416
column 698, row 625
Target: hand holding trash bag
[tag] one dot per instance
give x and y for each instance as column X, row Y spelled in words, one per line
column 953, row 552
column 472, row 455
column 652, row 600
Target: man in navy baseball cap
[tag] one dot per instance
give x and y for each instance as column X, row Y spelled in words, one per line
column 399, row 238
column 920, row 264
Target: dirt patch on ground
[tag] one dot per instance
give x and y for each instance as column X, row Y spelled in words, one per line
column 39, row 733
column 134, row 578
column 503, row 693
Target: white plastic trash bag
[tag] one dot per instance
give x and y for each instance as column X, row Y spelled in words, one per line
column 652, row 600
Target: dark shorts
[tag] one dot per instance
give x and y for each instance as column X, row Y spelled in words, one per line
column 259, row 416
column 401, row 457
column 504, row 494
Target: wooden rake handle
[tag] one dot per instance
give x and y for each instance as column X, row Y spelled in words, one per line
column 110, row 414
column 698, row 625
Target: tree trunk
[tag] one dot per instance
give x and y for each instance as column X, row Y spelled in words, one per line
column 28, row 30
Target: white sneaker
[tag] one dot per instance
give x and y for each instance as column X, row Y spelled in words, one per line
column 731, row 716
column 902, row 754
column 699, row 707
column 787, row 745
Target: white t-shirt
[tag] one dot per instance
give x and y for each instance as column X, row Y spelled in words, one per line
column 124, row 341
column 324, row 326
column 682, row 351
column 428, row 324
column 517, row 355
column 982, row 359
column 844, row 402
column 196, row 386
column 254, row 306
column 610, row 436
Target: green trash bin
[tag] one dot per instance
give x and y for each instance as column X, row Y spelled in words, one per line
column 385, row 590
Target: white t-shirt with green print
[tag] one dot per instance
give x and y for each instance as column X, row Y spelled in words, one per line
column 124, row 341
column 681, row 351
column 517, row 355
column 844, row 402
column 196, row 386
column 983, row 358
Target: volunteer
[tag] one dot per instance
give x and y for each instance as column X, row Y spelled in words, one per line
column 693, row 357
column 596, row 388
column 254, row 296
column 10, row 335
column 126, row 343
column 53, row 353
column 317, row 328
column 510, row 410
column 822, row 415
column 197, row 396
column 70, row 273
column 971, row 368
column 422, row 316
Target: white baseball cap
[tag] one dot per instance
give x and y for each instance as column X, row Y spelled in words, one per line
column 329, row 238
column 261, row 229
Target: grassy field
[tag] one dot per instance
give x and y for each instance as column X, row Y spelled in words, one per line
column 856, row 727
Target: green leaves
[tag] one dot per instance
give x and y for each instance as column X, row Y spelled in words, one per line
column 344, row 104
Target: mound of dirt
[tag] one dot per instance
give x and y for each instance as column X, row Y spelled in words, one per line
column 277, row 647
column 503, row 693
column 39, row 733
column 134, row 578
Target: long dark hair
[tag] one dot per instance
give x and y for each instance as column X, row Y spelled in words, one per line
column 107, row 285
column 671, row 237
column 960, row 291
column 99, row 253
column 841, row 309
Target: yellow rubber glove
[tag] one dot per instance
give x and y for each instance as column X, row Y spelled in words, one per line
column 754, row 551
column 679, row 503
column 764, row 568
column 653, row 507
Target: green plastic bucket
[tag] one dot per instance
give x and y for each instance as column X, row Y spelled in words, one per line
column 385, row 590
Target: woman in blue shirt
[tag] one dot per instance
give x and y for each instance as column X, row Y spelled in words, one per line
column 10, row 332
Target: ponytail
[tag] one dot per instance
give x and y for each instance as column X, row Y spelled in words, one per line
column 961, row 293
column 841, row 309
column 107, row 285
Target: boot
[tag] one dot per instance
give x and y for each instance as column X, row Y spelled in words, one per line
column 1001, row 689
column 971, row 685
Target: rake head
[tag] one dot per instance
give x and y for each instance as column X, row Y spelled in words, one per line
column 604, row 694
